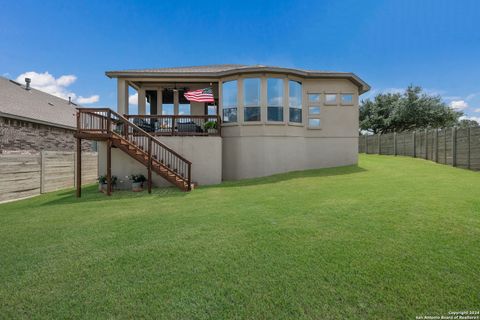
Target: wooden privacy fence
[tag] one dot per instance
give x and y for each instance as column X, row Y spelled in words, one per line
column 24, row 175
column 459, row 147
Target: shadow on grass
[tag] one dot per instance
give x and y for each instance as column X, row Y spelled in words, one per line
column 325, row 172
column 91, row 193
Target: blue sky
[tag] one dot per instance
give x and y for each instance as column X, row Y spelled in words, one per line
column 390, row 44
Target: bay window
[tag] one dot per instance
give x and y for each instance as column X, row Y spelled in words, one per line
column 295, row 101
column 229, row 101
column 274, row 99
column 251, row 99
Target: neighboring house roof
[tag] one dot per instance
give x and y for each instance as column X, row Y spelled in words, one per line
column 222, row 70
column 35, row 106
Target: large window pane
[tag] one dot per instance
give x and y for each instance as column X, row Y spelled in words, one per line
column 275, row 113
column 251, row 99
column 229, row 101
column 251, row 114
column 295, row 101
column 274, row 99
column 251, row 92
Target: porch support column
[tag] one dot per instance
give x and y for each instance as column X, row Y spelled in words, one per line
column 175, row 102
column 159, row 101
column 141, row 101
column 79, row 168
column 122, row 96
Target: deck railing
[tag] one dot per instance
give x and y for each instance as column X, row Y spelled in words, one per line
column 178, row 125
column 104, row 121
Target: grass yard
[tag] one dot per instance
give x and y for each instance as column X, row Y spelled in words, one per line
column 390, row 239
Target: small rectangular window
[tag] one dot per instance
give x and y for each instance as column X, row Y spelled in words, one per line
column 314, row 110
column 347, row 98
column 314, row 98
column 314, row 123
column 330, row 98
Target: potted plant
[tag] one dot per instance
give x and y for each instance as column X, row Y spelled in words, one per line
column 137, row 182
column 102, row 183
column 210, row 126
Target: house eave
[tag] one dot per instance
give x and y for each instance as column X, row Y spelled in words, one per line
column 362, row 85
column 46, row 123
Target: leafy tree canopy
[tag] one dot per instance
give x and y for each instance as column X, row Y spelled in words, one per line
column 410, row 110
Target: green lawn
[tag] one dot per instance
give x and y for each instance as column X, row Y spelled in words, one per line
column 391, row 238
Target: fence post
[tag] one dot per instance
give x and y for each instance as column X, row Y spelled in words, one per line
column 468, row 147
column 426, row 144
column 436, row 145
column 414, row 144
column 445, row 145
column 42, row 171
column 379, row 143
column 454, row 146
column 395, row 143
column 366, row 144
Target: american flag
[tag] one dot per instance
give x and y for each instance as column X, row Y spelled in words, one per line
column 200, row 95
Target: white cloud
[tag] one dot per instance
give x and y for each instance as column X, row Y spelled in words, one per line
column 56, row 86
column 471, row 96
column 459, row 104
column 133, row 99
column 87, row 100
column 476, row 110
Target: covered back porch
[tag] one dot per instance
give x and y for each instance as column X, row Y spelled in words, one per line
column 165, row 108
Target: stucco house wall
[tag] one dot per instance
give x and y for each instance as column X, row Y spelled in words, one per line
column 205, row 153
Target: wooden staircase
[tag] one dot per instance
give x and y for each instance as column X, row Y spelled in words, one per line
column 105, row 124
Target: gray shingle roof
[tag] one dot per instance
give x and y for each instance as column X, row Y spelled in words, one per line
column 222, row 70
column 35, row 105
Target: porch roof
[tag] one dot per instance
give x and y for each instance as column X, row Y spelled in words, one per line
column 222, row 70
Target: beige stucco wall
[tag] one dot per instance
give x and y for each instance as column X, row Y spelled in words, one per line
column 205, row 153
column 263, row 148
column 256, row 156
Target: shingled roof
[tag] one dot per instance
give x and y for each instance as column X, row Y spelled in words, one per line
column 222, row 70
column 34, row 105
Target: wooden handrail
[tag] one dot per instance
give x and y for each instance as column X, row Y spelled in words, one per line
column 169, row 158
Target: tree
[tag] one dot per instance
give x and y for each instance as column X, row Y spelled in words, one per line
column 466, row 123
column 410, row 110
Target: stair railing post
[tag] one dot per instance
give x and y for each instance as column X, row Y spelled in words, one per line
column 109, row 121
column 173, row 125
column 149, row 165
